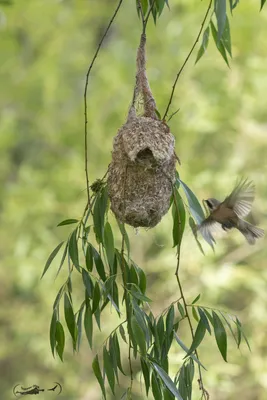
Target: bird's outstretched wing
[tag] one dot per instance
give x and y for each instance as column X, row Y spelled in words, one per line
column 207, row 228
column 241, row 198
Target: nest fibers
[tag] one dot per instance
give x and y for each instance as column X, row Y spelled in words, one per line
column 142, row 170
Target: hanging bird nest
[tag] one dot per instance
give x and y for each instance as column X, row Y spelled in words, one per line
column 142, row 170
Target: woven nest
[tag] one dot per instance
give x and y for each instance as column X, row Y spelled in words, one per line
column 142, row 170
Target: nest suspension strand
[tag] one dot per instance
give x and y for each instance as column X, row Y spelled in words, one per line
column 142, row 170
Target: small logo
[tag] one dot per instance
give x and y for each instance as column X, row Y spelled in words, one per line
column 35, row 389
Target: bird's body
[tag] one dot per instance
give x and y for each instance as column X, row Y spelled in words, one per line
column 229, row 213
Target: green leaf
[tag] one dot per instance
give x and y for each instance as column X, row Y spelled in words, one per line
column 88, row 324
column 87, row 281
column 230, row 328
column 262, row 4
column 204, row 319
column 198, row 337
column 122, row 332
column 125, row 236
column 53, row 325
column 144, row 5
column 145, row 371
column 194, row 205
column 58, row 297
column 99, row 215
column 220, row 12
column 89, row 258
column 99, row 265
column 160, row 5
column 239, row 326
column 167, row 394
column 113, row 357
column 60, row 339
column 68, row 222
column 185, row 348
column 51, row 258
column 156, row 389
column 204, row 44
column 79, row 325
column 167, row 381
column 226, row 37
column 219, row 45
column 142, row 279
column 62, row 258
column 117, row 351
column 109, row 244
column 108, row 369
column 220, row 335
column 196, row 299
column 181, row 309
column 140, row 296
column 73, row 249
column 170, row 320
column 233, row 4
column 99, row 377
column 139, row 335
column 194, row 313
column 96, row 297
column 178, row 215
column 193, row 227
column 70, row 320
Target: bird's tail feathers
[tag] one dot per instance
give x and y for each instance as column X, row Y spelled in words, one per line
column 251, row 232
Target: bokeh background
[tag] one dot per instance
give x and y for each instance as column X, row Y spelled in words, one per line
column 221, row 134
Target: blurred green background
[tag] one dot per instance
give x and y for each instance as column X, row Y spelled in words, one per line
column 45, row 50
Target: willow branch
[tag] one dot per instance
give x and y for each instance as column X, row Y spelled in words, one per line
column 186, row 60
column 85, row 101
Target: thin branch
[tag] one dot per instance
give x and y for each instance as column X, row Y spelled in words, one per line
column 186, row 60
column 85, row 101
column 145, row 19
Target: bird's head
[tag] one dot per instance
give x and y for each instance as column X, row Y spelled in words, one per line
column 212, row 203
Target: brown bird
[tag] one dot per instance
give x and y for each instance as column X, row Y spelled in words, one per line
column 229, row 213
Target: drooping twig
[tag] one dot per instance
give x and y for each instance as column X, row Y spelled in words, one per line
column 85, row 100
column 205, row 394
column 186, row 60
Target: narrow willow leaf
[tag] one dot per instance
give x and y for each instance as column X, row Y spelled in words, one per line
column 96, row 297
column 142, row 280
column 233, row 4
column 134, row 276
column 99, row 265
column 145, row 371
column 58, row 297
column 196, row 299
column 89, row 258
column 51, row 258
column 109, row 244
column 160, row 5
column 167, row 381
column 144, row 5
column 99, row 377
column 220, row 335
column 226, row 37
column 178, row 215
column 113, row 357
column 108, row 369
column 167, row 394
column 117, row 352
column 87, row 281
column 186, row 349
column 239, row 326
column 204, row 319
column 60, row 339
column 230, row 328
column 97, row 314
column 79, row 325
column 140, row 296
column 208, row 315
column 68, row 222
column 182, row 383
column 198, row 337
column 155, row 384
column 122, row 332
column 194, row 313
column 99, row 215
column 220, row 12
column 88, row 324
column 170, row 320
column 125, row 236
column 262, row 4
column 73, row 249
column 139, row 335
column 160, row 329
column 53, row 331
column 194, row 205
column 204, row 44
column 70, row 320
column 220, row 45
column 62, row 258
column 181, row 309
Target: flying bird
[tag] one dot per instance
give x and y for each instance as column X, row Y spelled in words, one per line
column 229, row 214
